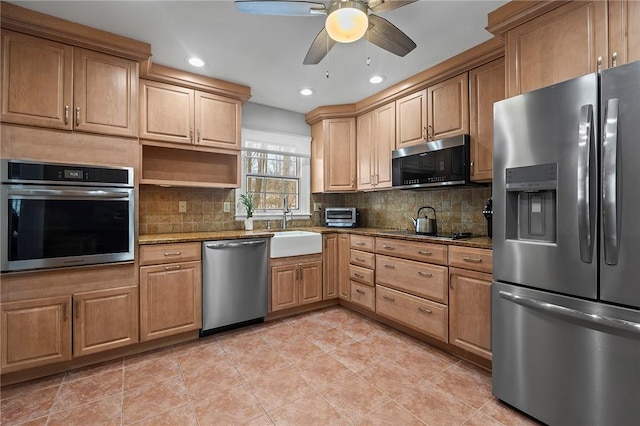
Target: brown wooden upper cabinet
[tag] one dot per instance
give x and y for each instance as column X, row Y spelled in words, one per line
column 439, row 111
column 486, row 86
column 568, row 41
column 375, row 136
column 170, row 113
column 333, row 155
column 51, row 84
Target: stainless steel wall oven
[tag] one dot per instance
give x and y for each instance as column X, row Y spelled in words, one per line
column 55, row 215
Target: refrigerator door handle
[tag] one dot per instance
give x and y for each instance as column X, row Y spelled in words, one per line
column 585, row 136
column 601, row 320
column 610, row 184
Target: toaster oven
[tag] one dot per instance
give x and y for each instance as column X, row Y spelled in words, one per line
column 341, row 217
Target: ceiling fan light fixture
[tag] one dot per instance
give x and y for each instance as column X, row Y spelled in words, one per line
column 347, row 21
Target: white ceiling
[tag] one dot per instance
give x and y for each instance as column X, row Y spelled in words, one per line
column 266, row 52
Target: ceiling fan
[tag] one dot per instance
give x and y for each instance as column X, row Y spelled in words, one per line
column 346, row 21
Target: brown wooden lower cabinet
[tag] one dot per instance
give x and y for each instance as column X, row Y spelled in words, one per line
column 363, row 295
column 420, row 314
column 170, row 299
column 330, row 267
column 470, row 311
column 344, row 286
column 35, row 332
column 104, row 320
column 295, row 281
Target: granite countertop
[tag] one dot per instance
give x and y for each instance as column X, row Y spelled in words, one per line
column 483, row 242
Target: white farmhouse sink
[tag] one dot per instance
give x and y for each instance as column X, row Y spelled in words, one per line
column 295, row 243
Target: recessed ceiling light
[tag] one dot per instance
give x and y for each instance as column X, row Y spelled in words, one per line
column 196, row 62
column 376, row 79
column 306, row 92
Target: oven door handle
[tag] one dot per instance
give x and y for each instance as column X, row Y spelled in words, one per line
column 70, row 193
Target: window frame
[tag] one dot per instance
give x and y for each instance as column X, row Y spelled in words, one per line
column 282, row 144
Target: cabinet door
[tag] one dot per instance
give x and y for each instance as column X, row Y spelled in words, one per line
column 104, row 320
column 486, row 86
column 330, row 267
column 624, row 32
column 344, row 254
column 35, row 332
column 448, row 108
column 365, row 151
column 166, row 112
column 310, row 282
column 105, row 90
column 340, row 154
column 36, row 81
column 557, row 46
column 384, row 142
column 284, row 288
column 411, row 119
column 217, row 121
column 170, row 299
column 470, row 311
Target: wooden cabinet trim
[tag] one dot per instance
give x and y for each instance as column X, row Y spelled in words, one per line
column 27, row 21
column 516, row 13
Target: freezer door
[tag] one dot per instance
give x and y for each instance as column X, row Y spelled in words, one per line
column 563, row 360
column 545, row 188
column 620, row 267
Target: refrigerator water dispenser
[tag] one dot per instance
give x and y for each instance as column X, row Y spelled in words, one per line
column 531, row 203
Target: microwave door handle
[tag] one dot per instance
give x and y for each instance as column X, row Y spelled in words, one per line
column 585, row 136
column 610, row 184
column 68, row 193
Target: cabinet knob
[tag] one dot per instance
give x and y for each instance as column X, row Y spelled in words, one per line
column 425, row 310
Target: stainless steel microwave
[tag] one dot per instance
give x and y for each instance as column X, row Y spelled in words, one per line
column 430, row 164
column 341, row 217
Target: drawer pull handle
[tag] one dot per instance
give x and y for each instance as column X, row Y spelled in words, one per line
column 359, row 291
column 171, row 268
column 390, row 299
column 358, row 275
column 425, row 274
column 388, row 247
column 472, row 259
column 360, row 243
column 425, row 253
column 386, row 265
column 172, row 253
column 361, row 260
column 66, row 117
column 425, row 310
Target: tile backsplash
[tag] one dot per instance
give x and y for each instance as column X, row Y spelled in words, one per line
column 457, row 209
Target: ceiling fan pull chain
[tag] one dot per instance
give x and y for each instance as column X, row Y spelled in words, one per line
column 368, row 61
column 327, row 74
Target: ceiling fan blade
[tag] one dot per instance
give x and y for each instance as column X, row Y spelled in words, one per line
column 282, row 8
column 379, row 6
column 319, row 48
column 384, row 34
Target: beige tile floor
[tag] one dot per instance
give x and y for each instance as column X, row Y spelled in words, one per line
column 323, row 368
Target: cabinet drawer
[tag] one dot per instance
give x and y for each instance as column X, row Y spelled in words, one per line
column 471, row 258
column 363, row 275
column 363, row 295
column 420, row 279
column 415, row 312
column 362, row 258
column 361, row 242
column 424, row 252
column 169, row 253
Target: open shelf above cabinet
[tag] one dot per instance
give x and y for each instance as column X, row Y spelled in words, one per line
column 164, row 165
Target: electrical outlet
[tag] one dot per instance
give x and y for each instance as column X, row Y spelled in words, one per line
column 182, row 206
column 317, row 207
column 227, row 207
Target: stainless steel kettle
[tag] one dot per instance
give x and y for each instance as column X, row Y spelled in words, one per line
column 424, row 225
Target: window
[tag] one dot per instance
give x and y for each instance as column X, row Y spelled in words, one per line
column 274, row 166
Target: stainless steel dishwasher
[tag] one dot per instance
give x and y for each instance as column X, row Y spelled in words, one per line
column 234, row 283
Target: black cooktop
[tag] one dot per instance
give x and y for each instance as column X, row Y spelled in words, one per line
column 453, row 236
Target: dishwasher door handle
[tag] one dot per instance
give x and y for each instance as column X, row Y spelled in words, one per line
column 233, row 245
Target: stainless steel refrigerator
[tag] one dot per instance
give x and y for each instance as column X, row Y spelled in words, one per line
column 566, row 244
